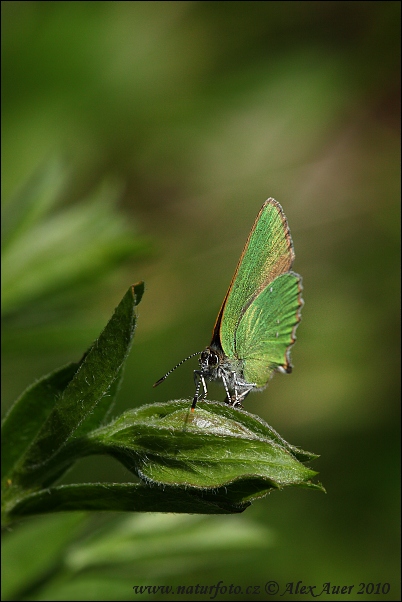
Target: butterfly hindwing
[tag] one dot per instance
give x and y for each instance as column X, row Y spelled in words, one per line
column 267, row 328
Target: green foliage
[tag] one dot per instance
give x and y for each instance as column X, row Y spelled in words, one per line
column 46, row 248
column 95, row 559
column 214, row 460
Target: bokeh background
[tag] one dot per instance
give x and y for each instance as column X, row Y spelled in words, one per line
column 144, row 137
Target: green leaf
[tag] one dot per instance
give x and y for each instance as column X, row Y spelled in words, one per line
column 46, row 250
column 152, row 538
column 26, row 416
column 213, row 461
column 22, row 568
column 103, row 409
column 94, row 558
column 133, row 497
column 210, row 448
column 37, row 197
column 99, row 369
column 127, row 497
column 252, row 422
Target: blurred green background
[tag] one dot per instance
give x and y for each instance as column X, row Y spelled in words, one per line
column 144, row 137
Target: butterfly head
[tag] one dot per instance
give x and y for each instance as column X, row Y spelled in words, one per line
column 210, row 360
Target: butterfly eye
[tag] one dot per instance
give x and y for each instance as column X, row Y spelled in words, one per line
column 204, row 356
column 213, row 359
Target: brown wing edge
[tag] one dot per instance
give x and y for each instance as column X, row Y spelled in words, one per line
column 287, row 366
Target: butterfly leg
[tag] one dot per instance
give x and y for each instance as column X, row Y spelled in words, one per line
column 198, row 381
column 233, row 399
column 238, row 398
column 225, row 384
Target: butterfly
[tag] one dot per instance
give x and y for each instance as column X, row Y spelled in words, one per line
column 257, row 321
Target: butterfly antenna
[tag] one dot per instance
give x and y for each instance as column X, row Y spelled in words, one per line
column 158, row 382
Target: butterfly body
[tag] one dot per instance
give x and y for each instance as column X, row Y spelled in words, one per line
column 257, row 321
column 216, row 366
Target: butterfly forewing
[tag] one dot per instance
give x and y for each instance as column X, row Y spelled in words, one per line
column 267, row 254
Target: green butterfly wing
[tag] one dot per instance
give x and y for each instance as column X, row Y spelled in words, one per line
column 267, row 328
column 267, row 254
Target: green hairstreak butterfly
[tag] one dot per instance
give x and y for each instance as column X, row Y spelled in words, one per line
column 257, row 321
